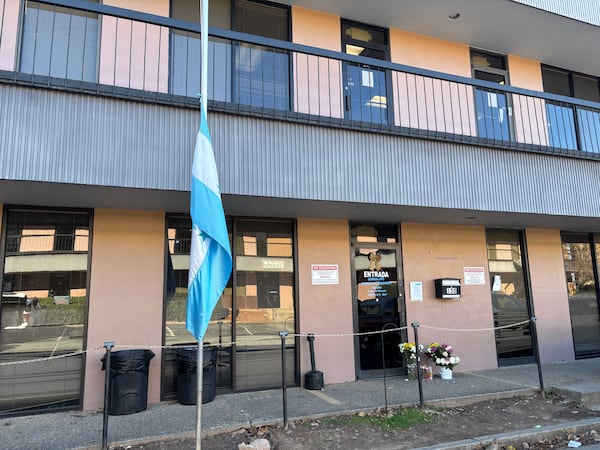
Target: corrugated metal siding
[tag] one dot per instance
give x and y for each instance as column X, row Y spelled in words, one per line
column 61, row 137
column 583, row 10
column 49, row 135
column 279, row 159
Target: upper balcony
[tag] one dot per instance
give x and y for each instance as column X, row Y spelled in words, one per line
column 94, row 48
column 99, row 49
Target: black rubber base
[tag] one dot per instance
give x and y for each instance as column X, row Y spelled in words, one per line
column 313, row 380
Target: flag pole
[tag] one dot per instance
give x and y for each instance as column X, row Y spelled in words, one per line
column 203, row 111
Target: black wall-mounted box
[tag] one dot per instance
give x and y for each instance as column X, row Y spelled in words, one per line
column 447, row 288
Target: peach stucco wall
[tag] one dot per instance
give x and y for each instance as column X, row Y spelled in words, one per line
column 550, row 301
column 439, row 251
column 427, row 103
column 133, row 54
column 125, row 293
column 326, row 309
column 429, row 53
column 318, row 81
column 529, row 113
column 9, row 31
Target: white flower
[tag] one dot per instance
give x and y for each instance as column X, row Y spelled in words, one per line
column 445, row 353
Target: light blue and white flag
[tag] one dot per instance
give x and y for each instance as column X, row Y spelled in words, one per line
column 210, row 254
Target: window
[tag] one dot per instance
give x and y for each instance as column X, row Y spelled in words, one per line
column 261, row 73
column 185, row 54
column 258, row 302
column 492, row 106
column 42, row 314
column 59, row 42
column 365, row 86
column 572, row 127
column 580, row 255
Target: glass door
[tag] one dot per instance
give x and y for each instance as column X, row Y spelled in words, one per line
column 581, row 278
column 493, row 106
column 510, row 305
column 379, row 305
column 365, row 88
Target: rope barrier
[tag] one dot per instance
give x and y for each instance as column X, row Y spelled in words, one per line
column 252, row 339
column 512, row 325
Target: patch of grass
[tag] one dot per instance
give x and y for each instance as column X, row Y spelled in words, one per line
column 403, row 418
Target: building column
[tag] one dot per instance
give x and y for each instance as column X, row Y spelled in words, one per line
column 125, row 293
column 549, row 291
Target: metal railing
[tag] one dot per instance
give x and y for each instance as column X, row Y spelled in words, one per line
column 74, row 44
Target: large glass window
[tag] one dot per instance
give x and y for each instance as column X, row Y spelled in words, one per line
column 572, row 127
column 264, row 302
column 510, row 304
column 581, row 265
column 42, row 315
column 179, row 232
column 262, row 74
column 244, row 327
column 59, row 42
column 185, row 52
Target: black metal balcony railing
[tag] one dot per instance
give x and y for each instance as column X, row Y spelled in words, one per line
column 80, row 45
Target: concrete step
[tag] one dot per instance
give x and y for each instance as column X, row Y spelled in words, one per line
column 587, row 393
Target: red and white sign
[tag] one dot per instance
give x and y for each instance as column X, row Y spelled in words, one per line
column 474, row 275
column 325, row 274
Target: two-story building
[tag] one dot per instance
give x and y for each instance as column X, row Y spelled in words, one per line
column 365, row 150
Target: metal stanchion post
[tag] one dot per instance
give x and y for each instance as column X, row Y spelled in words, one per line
column 391, row 325
column 536, row 349
column 283, row 334
column 416, row 326
column 384, row 377
column 108, row 346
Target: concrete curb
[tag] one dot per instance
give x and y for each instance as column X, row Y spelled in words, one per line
column 516, row 438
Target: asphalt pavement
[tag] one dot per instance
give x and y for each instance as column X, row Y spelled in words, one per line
column 227, row 412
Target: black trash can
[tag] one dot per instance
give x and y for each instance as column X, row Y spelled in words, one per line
column 187, row 378
column 128, row 379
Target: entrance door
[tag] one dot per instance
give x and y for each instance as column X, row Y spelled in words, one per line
column 582, row 286
column 510, row 299
column 379, row 305
column 365, row 93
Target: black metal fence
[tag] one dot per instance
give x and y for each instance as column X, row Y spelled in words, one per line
column 87, row 46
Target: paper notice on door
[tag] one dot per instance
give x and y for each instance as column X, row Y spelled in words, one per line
column 497, row 286
column 367, row 78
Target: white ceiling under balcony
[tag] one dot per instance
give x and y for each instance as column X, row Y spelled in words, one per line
column 501, row 26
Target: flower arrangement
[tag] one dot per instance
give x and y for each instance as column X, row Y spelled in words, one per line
column 409, row 351
column 441, row 355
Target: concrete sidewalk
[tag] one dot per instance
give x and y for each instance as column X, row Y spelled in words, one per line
column 72, row 430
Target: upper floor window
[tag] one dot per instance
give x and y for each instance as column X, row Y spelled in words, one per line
column 365, row 87
column 492, row 106
column 59, row 42
column 572, row 127
column 261, row 19
column 570, row 84
column 262, row 74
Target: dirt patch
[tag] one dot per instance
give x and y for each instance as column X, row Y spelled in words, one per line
column 442, row 425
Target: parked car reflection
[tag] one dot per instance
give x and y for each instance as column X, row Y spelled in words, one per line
column 515, row 339
column 585, row 324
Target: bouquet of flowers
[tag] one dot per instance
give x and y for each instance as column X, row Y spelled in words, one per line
column 441, row 355
column 409, row 351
